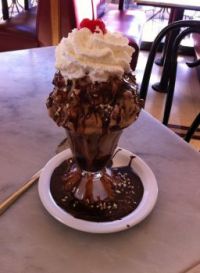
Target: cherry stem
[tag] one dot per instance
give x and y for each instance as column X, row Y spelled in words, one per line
column 92, row 9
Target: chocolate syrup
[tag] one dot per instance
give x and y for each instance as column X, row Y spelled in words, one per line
column 83, row 106
column 124, row 192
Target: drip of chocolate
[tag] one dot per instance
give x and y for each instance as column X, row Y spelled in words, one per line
column 83, row 106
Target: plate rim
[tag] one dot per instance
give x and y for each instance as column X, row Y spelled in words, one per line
column 139, row 214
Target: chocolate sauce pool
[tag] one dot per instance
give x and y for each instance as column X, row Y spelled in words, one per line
column 124, row 188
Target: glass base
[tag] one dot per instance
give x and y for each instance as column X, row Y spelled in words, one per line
column 94, row 186
column 88, row 186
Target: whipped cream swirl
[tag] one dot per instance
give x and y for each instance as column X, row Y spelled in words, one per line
column 96, row 55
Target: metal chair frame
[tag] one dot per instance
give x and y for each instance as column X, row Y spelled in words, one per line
column 195, row 124
column 191, row 26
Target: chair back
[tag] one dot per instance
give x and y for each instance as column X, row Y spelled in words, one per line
column 43, row 23
column 186, row 27
column 56, row 19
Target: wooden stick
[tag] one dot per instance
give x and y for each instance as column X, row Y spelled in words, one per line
column 14, row 196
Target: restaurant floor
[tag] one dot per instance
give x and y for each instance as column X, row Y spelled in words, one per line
column 186, row 103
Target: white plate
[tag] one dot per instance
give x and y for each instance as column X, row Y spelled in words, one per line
column 121, row 159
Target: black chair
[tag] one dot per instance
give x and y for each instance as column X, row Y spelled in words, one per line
column 186, row 27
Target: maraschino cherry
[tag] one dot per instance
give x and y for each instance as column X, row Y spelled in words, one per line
column 95, row 26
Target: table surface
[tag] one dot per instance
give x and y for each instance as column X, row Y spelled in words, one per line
column 185, row 4
column 32, row 241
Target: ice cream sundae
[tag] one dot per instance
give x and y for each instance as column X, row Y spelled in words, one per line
column 94, row 99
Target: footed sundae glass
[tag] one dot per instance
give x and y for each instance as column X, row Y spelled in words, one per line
column 93, row 156
column 94, row 99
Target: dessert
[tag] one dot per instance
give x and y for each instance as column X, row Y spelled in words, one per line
column 94, row 99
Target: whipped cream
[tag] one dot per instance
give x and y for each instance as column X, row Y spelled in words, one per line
column 96, row 55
